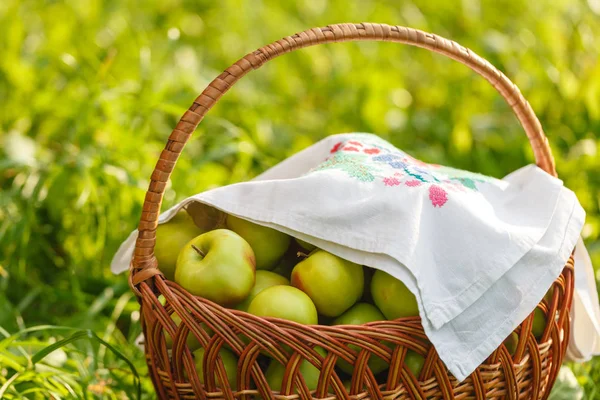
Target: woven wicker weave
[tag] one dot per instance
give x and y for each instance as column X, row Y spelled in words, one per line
column 528, row 374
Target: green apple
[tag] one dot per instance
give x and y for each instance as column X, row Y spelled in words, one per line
column 511, row 343
column 191, row 341
column 359, row 314
column 170, row 239
column 205, row 216
column 309, row 372
column 285, row 302
column 549, row 294
column 392, row 297
column 539, row 323
column 414, row 361
column 264, row 279
column 269, row 245
column 217, row 265
column 305, row 245
column 333, row 284
column 230, row 363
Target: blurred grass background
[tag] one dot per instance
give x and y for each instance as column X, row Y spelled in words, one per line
column 90, row 89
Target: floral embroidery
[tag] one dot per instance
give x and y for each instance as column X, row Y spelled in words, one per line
column 371, row 159
column 354, row 166
column 467, row 182
column 385, row 157
column 391, row 181
column 437, row 195
column 336, row 147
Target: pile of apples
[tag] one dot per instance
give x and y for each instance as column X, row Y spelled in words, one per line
column 238, row 264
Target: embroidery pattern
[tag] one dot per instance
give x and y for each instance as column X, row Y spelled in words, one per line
column 355, row 166
column 371, row 159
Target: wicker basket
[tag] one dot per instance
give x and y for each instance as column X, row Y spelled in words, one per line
column 527, row 374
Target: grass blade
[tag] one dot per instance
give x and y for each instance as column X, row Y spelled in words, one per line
column 91, row 336
column 7, row 384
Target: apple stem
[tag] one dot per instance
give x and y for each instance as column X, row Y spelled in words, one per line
column 198, row 251
column 301, row 254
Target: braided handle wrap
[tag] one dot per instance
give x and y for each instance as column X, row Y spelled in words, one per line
column 144, row 263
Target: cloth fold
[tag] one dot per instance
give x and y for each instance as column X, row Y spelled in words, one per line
column 478, row 253
column 585, row 312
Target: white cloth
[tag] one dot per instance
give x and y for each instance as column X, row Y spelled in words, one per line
column 478, row 253
column 585, row 313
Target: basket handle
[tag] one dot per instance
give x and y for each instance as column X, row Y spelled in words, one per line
column 144, row 263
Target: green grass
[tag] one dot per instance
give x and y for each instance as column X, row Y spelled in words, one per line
column 90, row 89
